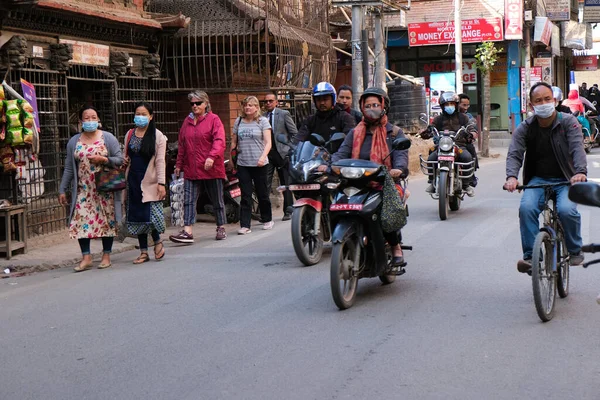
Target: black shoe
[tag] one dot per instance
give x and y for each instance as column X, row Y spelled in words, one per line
column 524, row 266
column 286, row 217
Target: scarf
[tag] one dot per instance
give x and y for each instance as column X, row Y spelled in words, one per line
column 379, row 147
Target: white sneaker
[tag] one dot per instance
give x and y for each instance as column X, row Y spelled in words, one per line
column 244, row 231
column 268, row 225
column 470, row 191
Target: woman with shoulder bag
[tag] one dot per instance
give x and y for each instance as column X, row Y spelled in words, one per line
column 252, row 142
column 94, row 214
column 145, row 148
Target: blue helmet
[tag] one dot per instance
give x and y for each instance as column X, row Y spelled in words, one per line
column 324, row 89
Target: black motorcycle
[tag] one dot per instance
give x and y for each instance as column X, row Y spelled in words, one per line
column 359, row 246
column 448, row 174
column 310, row 218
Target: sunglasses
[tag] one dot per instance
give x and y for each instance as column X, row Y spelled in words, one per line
column 196, row 103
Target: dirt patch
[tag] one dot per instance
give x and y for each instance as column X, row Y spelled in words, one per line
column 418, row 146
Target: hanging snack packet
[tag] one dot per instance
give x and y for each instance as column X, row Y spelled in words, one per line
column 15, row 136
column 27, row 119
column 21, row 172
column 28, row 135
column 1, row 93
column 25, row 106
column 13, row 121
column 7, row 158
column 2, row 132
column 11, row 107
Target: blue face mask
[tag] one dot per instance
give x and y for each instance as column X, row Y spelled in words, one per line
column 141, row 121
column 89, row 126
column 450, row 109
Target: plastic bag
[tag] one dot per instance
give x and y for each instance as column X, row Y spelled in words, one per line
column 177, row 193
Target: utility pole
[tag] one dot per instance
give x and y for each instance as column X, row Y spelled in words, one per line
column 364, row 45
column 458, row 46
column 357, row 55
column 379, row 79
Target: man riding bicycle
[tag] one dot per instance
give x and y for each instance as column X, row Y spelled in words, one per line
column 551, row 145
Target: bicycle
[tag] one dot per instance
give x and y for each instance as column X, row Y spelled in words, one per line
column 549, row 258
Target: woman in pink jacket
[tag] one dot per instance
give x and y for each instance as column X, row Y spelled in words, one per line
column 200, row 157
column 145, row 157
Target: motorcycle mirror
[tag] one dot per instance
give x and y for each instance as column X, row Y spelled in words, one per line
column 316, row 140
column 282, row 138
column 337, row 137
column 586, row 193
column 401, row 144
column 423, row 118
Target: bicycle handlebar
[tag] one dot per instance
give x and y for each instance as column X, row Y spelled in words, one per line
column 541, row 186
column 590, row 248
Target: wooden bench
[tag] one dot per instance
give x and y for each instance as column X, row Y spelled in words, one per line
column 13, row 240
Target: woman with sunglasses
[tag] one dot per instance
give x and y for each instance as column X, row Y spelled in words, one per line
column 201, row 159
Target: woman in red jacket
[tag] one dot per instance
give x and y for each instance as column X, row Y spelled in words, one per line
column 201, row 159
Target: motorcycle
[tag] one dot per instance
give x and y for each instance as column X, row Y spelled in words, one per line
column 310, row 218
column 359, row 246
column 446, row 173
column 232, row 194
column 589, row 135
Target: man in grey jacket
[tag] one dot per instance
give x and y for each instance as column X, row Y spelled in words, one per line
column 551, row 145
column 281, row 121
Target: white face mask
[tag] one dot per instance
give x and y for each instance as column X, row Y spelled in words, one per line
column 544, row 110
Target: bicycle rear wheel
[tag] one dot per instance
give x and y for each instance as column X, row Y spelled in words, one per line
column 562, row 262
column 542, row 277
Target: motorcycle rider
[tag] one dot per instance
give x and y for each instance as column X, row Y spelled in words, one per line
column 329, row 118
column 557, row 93
column 464, row 102
column 372, row 140
column 452, row 120
column 551, row 144
column 344, row 100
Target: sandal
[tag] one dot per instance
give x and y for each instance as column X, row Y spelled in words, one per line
column 142, row 258
column 161, row 253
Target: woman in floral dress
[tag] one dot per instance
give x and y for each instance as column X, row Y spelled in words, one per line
column 145, row 148
column 93, row 213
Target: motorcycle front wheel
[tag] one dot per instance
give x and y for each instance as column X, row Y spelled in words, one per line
column 343, row 279
column 307, row 245
column 443, row 193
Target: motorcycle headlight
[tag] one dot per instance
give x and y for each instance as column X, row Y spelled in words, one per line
column 446, row 143
column 355, row 172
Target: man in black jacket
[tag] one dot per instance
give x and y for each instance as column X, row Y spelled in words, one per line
column 551, row 145
column 328, row 119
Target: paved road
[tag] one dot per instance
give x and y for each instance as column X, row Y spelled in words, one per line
column 241, row 319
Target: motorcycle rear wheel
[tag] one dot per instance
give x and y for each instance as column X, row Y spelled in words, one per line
column 255, row 207
column 308, row 247
column 232, row 213
column 443, row 195
column 342, row 278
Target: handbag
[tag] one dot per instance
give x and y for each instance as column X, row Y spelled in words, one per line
column 110, row 179
column 394, row 214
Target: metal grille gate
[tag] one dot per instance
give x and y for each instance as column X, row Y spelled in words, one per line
column 40, row 191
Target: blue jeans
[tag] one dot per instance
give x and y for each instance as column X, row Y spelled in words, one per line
column 532, row 204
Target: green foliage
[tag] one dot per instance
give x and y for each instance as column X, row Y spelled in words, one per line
column 486, row 56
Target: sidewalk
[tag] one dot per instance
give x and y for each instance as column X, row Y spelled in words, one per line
column 59, row 250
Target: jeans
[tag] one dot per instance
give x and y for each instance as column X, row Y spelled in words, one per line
column 143, row 239
column 532, row 204
column 107, row 243
column 284, row 179
column 258, row 176
column 463, row 156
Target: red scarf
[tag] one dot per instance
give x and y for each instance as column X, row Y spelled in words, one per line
column 379, row 147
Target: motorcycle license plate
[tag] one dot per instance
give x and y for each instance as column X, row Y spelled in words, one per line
column 445, row 158
column 236, row 192
column 314, row 186
column 346, row 207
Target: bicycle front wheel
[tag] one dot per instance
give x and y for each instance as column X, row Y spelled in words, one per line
column 562, row 261
column 542, row 276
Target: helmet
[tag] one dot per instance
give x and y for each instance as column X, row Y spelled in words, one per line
column 557, row 93
column 378, row 92
column 324, row 89
column 448, row 97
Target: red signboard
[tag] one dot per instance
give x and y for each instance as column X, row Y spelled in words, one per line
column 585, row 63
column 442, row 33
column 513, row 19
